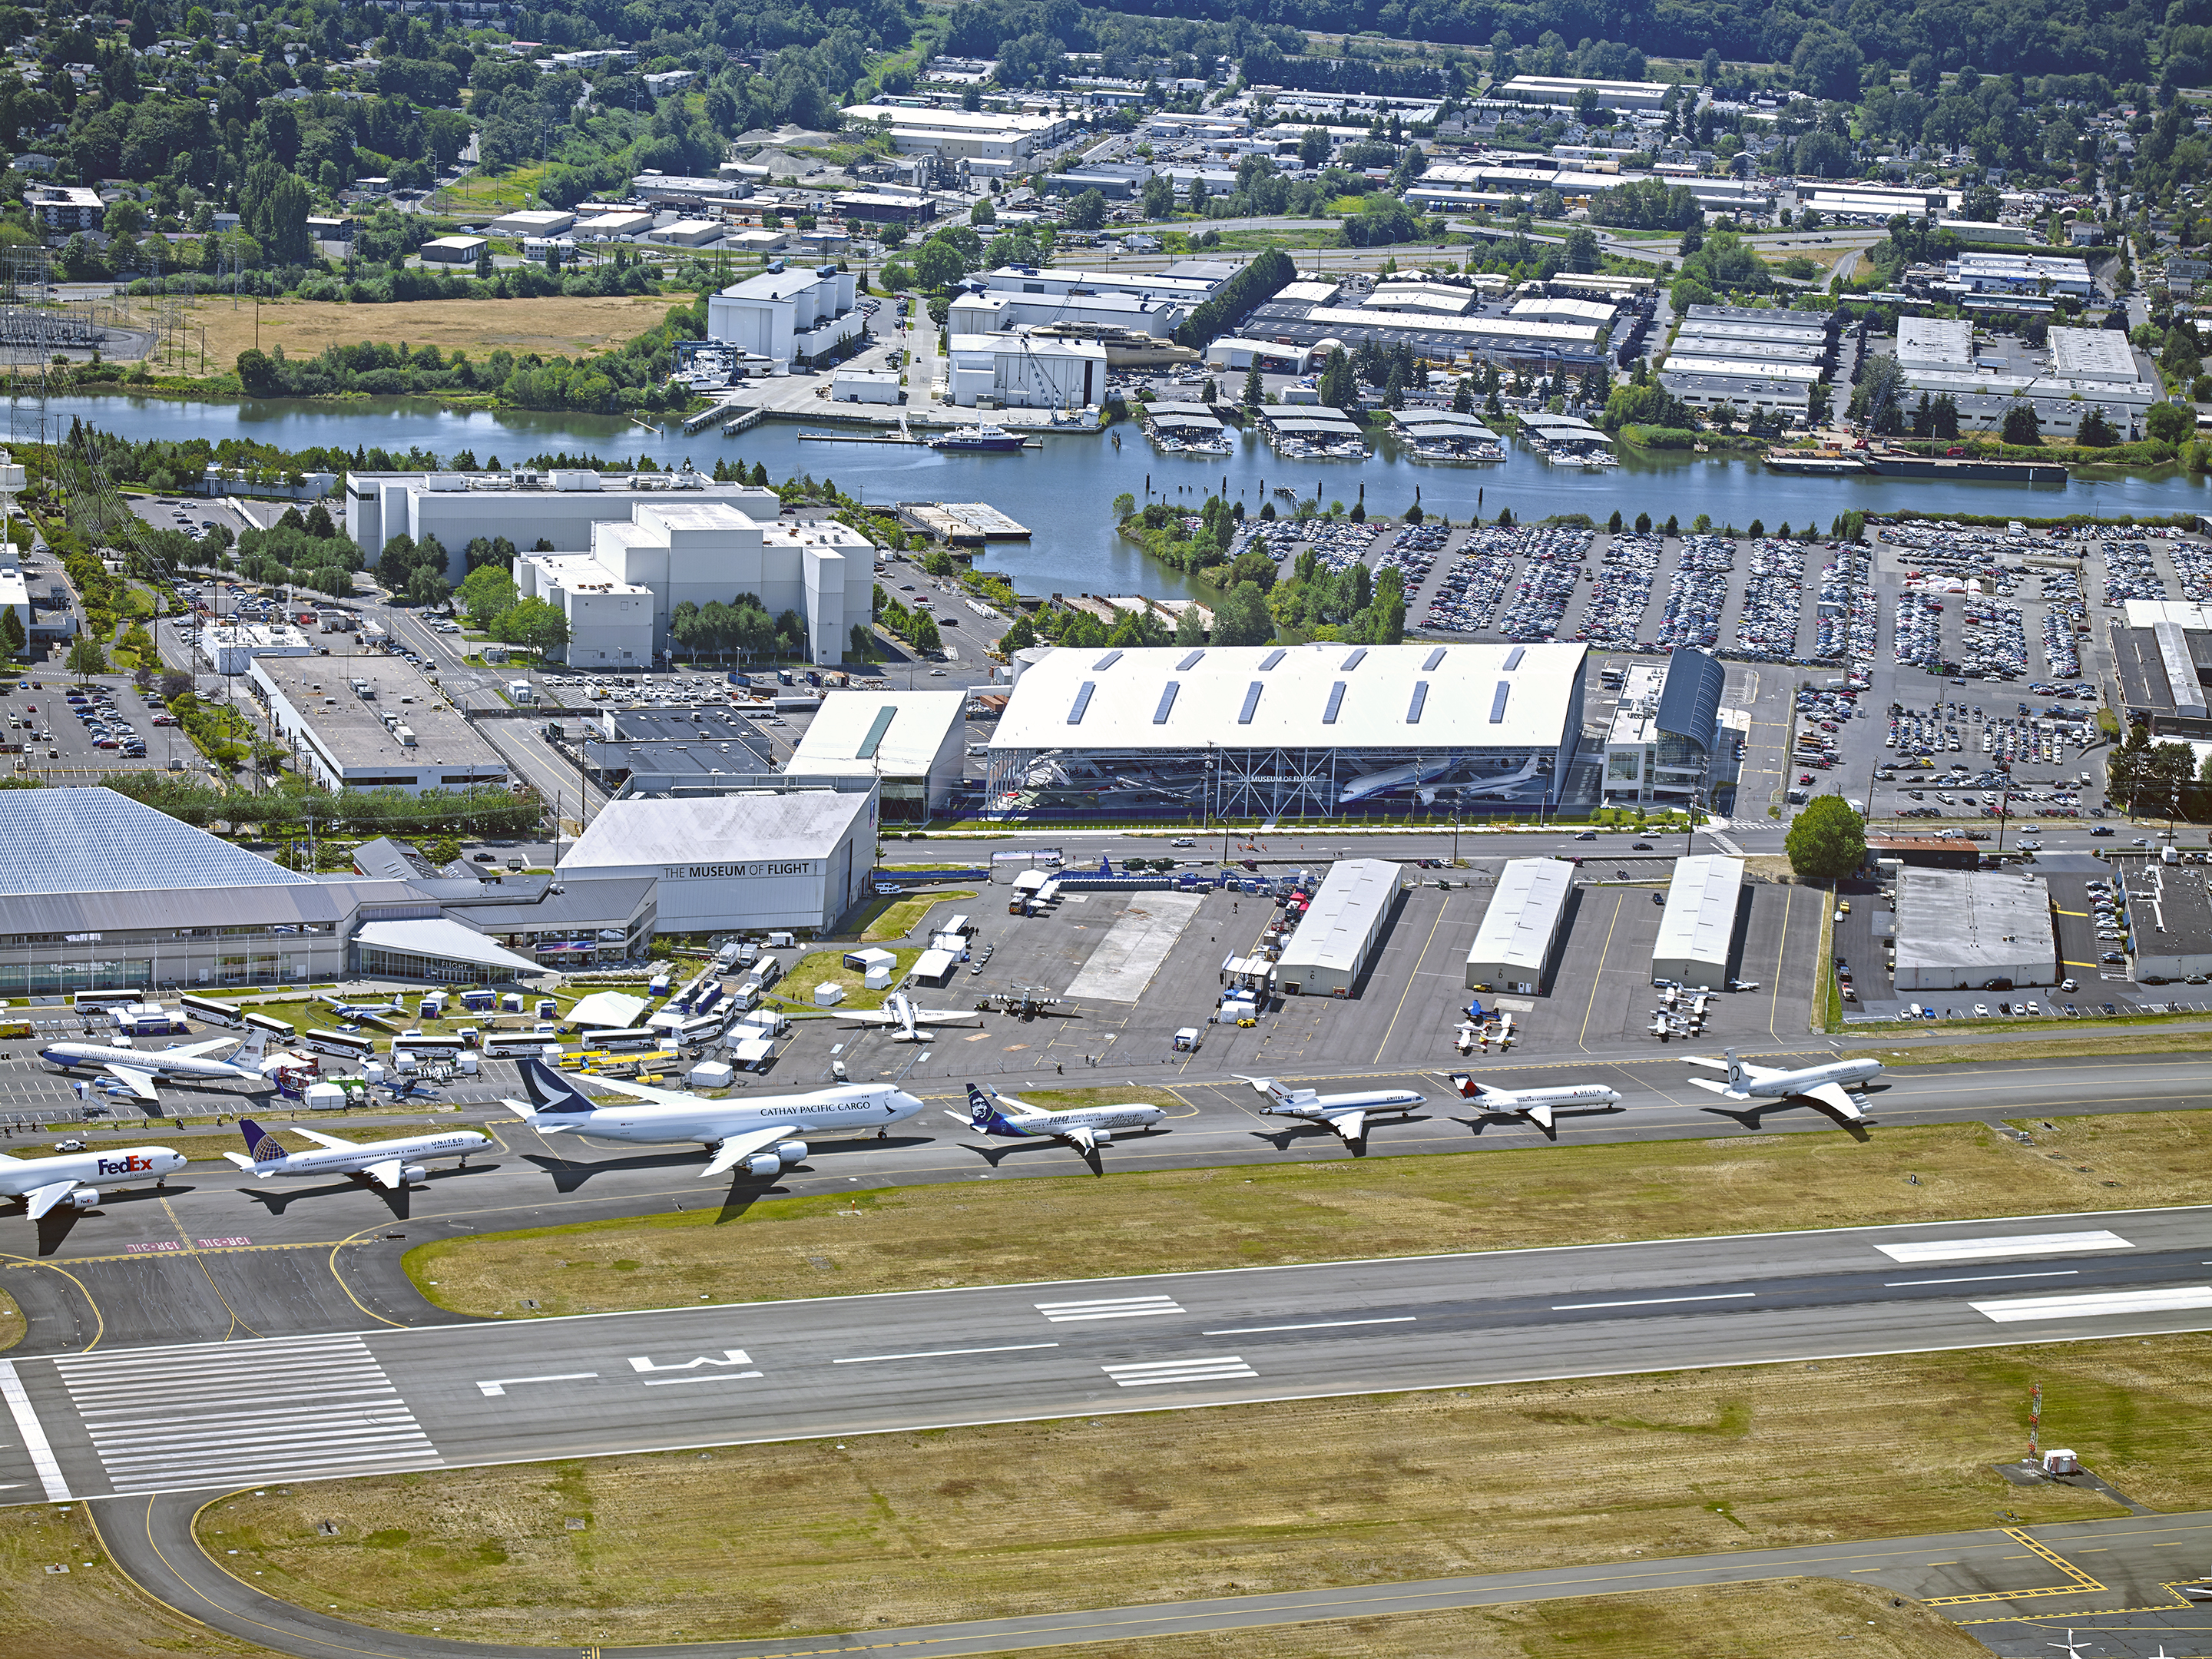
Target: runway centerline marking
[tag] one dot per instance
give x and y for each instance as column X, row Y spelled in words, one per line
column 940, row 1353
column 495, row 1387
column 1982, row 1278
column 1654, row 1301
column 1316, row 1325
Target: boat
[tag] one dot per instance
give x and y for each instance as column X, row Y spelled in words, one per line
column 1900, row 464
column 1819, row 463
column 987, row 439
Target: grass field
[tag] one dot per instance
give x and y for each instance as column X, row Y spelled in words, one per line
column 92, row 1611
column 965, row 1523
column 896, row 918
column 996, row 1232
column 795, row 990
column 2027, row 1047
column 554, row 326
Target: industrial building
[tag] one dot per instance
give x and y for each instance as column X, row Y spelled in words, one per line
column 558, row 507
column 230, row 650
column 1697, row 931
column 2163, row 654
column 1666, row 729
column 1749, row 360
column 2087, row 368
column 373, row 723
column 785, row 315
column 1959, row 930
column 105, row 894
column 2019, row 273
column 702, row 742
column 1567, row 91
column 1274, row 732
column 1019, row 371
column 1337, row 936
column 1517, row 342
column 1519, row 941
column 747, row 859
column 1187, row 282
column 2169, row 909
column 620, row 596
column 996, row 312
column 912, row 743
column 985, row 141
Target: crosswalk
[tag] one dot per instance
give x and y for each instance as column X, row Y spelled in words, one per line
column 1155, row 1372
column 289, row 1408
column 1112, row 1306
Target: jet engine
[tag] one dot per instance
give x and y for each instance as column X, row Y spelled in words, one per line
column 414, row 1176
column 765, row 1164
column 790, row 1151
column 82, row 1198
column 1101, row 1137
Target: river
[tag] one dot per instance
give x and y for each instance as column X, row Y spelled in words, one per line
column 1065, row 492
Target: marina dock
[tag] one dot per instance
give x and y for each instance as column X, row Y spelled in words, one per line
column 962, row 522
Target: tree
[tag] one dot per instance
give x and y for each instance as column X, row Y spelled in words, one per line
column 1190, row 627
column 488, row 594
column 1241, row 617
column 2169, row 424
column 428, row 586
column 1827, row 842
column 86, row 658
column 938, row 265
column 2096, row 431
column 1124, row 505
column 1087, row 212
column 924, row 634
column 1943, row 416
column 983, row 213
column 1581, row 250
column 1254, row 394
column 863, row 646
column 533, row 624
column 1157, row 196
column 12, row 637
column 1313, row 144
column 2021, row 424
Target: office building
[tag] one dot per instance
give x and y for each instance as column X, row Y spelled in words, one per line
column 1666, row 729
column 372, row 723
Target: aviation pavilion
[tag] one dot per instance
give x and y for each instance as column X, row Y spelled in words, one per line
column 1285, row 732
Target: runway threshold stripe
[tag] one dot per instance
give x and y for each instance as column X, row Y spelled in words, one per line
column 2089, row 1307
column 1987, row 1249
column 33, row 1432
column 1654, row 1301
column 368, row 1374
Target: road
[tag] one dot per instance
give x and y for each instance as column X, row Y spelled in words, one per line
column 2020, row 1586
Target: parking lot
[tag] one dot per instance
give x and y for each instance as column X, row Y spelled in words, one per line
column 74, row 730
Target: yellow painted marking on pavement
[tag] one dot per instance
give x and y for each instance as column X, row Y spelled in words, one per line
column 1408, row 991
column 195, row 1249
column 1781, row 955
column 1582, row 1039
column 2081, row 1584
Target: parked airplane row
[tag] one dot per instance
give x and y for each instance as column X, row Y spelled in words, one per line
column 763, row 1134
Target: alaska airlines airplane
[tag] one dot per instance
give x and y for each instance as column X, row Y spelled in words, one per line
column 141, row 1067
column 1826, row 1083
column 1085, row 1128
column 754, row 1133
column 44, row 1184
column 1346, row 1114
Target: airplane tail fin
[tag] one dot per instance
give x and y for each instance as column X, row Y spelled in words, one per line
column 1467, row 1087
column 262, row 1146
column 250, row 1052
column 1734, row 1069
column 549, row 1090
column 983, row 1108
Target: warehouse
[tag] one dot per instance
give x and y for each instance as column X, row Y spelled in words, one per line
column 1959, row 930
column 382, row 725
column 2170, row 914
column 1437, row 338
column 912, row 743
column 1522, row 930
column 1268, row 731
column 1337, row 937
column 1698, row 931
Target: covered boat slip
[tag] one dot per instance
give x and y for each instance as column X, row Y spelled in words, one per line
column 1441, row 434
column 1310, row 429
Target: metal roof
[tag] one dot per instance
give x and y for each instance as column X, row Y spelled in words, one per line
column 1353, row 899
column 1523, row 917
column 444, row 941
column 1690, row 700
column 57, row 841
column 1701, row 916
column 1382, row 704
column 688, row 829
column 897, row 733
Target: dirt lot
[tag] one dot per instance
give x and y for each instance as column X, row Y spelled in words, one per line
column 304, row 327
column 924, row 1237
column 983, row 1522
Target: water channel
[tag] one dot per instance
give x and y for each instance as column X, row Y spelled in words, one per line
column 1065, row 492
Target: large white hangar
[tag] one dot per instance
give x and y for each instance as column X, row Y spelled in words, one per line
column 1274, row 732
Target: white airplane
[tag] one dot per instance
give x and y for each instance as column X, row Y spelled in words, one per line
column 140, row 1067
column 390, row 1163
column 898, row 1010
column 1826, row 1083
column 1504, row 783
column 754, row 1133
column 1085, row 1128
column 346, row 1010
column 1346, row 1114
column 1409, row 776
column 43, row 1183
column 1537, row 1105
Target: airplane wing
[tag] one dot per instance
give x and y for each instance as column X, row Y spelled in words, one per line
column 39, row 1199
column 1836, row 1098
column 1082, row 1140
column 1541, row 1115
column 194, row 1050
column 322, row 1139
column 738, row 1148
column 869, row 1016
column 141, row 1083
column 388, row 1175
column 1704, row 1060
column 944, row 1016
column 1714, row 1086
column 1350, row 1125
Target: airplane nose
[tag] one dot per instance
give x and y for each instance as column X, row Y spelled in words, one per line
column 905, row 1101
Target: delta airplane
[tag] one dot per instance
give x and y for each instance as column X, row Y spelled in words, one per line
column 1086, row 1129
column 389, row 1163
column 44, row 1184
column 1826, row 1083
column 1346, row 1114
column 754, row 1133
column 898, row 1010
column 141, row 1067
column 1537, row 1105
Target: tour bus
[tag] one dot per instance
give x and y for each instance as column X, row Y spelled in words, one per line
column 700, row 1030
column 209, row 1011
column 428, row 1045
column 95, row 1001
column 269, row 1022
column 619, row 1041
column 514, row 1045
column 340, row 1042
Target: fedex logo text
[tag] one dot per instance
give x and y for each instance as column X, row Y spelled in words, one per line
column 133, row 1164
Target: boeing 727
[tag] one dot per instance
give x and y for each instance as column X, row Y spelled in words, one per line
column 911, row 1023
column 391, row 1164
column 141, row 1067
column 1346, row 1114
column 44, row 1184
column 758, row 1133
column 1086, row 1129
column 1538, row 1105
column 1826, row 1084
